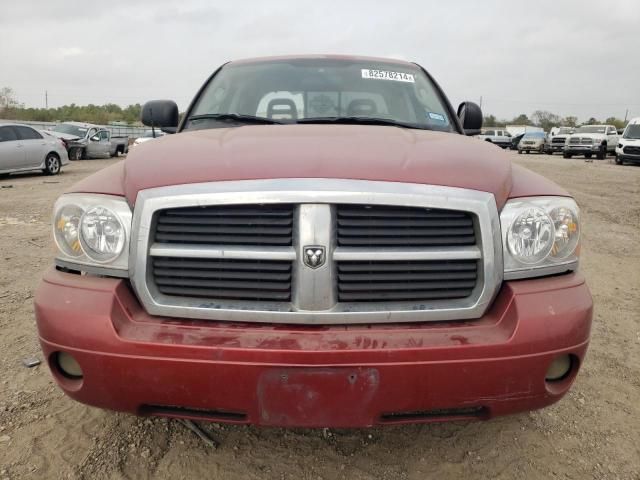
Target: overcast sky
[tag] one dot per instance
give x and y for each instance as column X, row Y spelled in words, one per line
column 570, row 57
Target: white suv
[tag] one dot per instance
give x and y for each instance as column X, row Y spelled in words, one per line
column 628, row 148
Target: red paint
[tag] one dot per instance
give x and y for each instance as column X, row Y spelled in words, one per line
column 131, row 359
column 319, row 151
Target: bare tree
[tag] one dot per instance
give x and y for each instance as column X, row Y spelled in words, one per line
column 7, row 99
column 546, row 120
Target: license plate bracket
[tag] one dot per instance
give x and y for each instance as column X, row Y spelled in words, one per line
column 317, row 397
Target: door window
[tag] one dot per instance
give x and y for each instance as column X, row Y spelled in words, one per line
column 490, row 133
column 27, row 133
column 104, row 136
column 7, row 134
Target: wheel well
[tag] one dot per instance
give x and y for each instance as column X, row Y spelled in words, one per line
column 488, row 140
column 52, row 153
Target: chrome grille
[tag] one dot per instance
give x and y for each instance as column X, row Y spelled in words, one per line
column 580, row 141
column 392, row 252
column 384, row 226
column 405, row 281
column 558, row 140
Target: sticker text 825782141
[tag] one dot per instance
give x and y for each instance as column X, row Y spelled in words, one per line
column 387, row 75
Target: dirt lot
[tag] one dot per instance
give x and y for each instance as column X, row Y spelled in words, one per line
column 594, row 432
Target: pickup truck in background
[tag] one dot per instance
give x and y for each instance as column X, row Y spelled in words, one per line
column 591, row 140
column 85, row 140
column 558, row 137
column 321, row 245
column 502, row 138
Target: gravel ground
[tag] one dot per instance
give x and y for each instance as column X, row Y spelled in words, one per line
column 594, row 432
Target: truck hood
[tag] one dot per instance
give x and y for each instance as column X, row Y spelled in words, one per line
column 595, row 136
column 361, row 152
column 65, row 136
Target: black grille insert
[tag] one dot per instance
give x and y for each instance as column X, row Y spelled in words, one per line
column 384, row 281
column 384, row 226
column 226, row 225
column 631, row 150
column 222, row 279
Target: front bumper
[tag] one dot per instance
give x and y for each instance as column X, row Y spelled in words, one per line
column 313, row 376
column 627, row 157
column 556, row 147
column 581, row 149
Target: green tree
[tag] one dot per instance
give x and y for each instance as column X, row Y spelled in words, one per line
column 619, row 124
column 569, row 121
column 521, row 119
column 489, row 121
column 592, row 121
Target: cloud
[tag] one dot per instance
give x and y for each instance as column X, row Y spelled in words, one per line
column 66, row 52
column 571, row 57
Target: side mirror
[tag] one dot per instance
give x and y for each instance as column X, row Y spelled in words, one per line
column 95, row 138
column 160, row 113
column 470, row 116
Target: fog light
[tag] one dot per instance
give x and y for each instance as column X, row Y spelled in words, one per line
column 559, row 368
column 68, row 365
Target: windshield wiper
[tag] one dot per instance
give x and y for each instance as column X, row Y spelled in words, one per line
column 362, row 121
column 235, row 117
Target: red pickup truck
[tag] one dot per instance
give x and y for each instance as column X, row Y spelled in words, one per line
column 319, row 244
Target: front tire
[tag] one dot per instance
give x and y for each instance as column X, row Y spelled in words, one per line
column 587, row 155
column 566, row 155
column 52, row 164
column 619, row 161
column 76, row 154
column 602, row 153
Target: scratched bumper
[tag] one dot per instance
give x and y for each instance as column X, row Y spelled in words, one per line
column 348, row 376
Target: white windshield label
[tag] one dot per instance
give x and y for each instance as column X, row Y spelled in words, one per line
column 387, row 75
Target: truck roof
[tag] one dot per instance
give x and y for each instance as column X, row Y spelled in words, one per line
column 345, row 58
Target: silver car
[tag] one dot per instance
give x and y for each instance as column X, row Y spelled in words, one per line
column 23, row 148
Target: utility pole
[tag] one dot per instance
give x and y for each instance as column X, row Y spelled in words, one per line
column 46, row 99
column 625, row 115
column 480, row 101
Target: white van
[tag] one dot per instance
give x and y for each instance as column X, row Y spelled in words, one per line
column 628, row 148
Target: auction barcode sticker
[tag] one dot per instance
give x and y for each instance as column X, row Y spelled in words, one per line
column 388, row 75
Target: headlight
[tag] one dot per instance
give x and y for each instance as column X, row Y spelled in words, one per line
column 93, row 230
column 540, row 236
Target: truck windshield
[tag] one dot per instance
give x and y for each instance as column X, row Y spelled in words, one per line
column 322, row 91
column 70, row 129
column 591, row 129
column 632, row 131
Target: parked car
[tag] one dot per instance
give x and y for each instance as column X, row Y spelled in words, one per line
column 534, row 142
column 628, row 148
column 502, row 138
column 85, row 140
column 515, row 141
column 23, row 148
column 148, row 135
column 331, row 252
column 558, row 139
column 591, row 139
